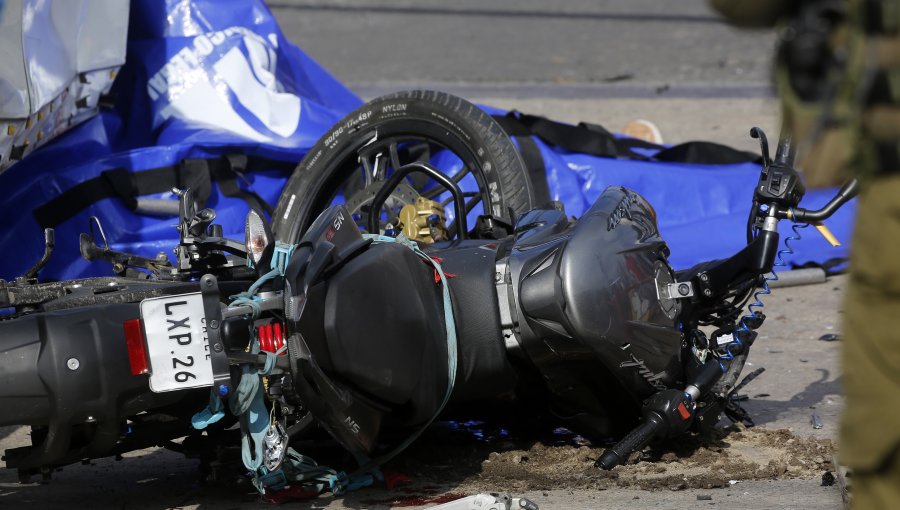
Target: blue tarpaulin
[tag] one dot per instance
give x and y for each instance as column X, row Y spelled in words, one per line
column 205, row 78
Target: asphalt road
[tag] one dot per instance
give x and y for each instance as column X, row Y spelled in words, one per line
column 603, row 61
column 535, row 48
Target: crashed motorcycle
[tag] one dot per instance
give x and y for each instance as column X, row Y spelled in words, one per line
column 368, row 324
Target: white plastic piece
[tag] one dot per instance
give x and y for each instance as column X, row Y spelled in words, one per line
column 725, row 339
column 56, row 60
column 486, row 501
column 477, row 502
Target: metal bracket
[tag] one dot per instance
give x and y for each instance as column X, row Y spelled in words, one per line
column 508, row 318
column 703, row 280
column 212, row 309
column 676, row 290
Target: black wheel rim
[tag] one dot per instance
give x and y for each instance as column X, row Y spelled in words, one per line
column 374, row 154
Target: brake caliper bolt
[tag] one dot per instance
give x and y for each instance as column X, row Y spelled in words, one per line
column 73, row 363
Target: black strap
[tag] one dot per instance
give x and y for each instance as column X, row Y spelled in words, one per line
column 195, row 173
column 585, row 138
column 596, row 140
column 537, row 172
column 706, row 153
column 227, row 178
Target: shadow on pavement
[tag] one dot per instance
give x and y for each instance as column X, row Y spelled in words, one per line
column 768, row 411
column 6, row 431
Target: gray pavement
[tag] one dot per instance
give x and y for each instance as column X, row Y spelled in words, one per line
column 605, row 62
column 637, row 45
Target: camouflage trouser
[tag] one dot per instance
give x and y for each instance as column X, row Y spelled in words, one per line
column 870, row 429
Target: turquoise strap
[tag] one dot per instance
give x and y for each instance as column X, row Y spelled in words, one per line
column 213, row 412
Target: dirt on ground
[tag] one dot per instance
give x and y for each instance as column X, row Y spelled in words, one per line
column 719, row 458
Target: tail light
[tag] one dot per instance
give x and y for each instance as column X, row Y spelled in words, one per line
column 271, row 337
column 137, row 347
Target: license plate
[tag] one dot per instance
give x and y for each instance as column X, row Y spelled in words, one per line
column 175, row 328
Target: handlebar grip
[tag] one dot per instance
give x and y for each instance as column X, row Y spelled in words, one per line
column 635, row 439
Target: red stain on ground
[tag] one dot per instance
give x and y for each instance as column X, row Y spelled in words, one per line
column 418, row 500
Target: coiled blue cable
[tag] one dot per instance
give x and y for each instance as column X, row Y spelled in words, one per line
column 743, row 328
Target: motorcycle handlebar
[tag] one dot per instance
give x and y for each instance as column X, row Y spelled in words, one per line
column 635, row 439
column 847, row 192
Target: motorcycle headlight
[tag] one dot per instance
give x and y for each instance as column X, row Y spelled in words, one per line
column 258, row 237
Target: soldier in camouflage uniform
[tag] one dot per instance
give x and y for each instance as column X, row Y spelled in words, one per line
column 838, row 74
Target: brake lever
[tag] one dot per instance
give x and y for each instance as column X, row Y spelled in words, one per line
column 90, row 251
column 759, row 134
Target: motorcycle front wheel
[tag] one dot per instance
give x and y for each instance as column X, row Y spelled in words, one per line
column 449, row 135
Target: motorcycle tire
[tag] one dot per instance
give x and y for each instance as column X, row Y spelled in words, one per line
column 435, row 117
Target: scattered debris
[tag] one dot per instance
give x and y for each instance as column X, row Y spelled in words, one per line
column 618, row 77
column 830, row 337
column 815, row 421
column 704, row 497
column 828, row 479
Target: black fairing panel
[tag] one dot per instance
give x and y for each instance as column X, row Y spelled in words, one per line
column 37, row 387
column 483, row 368
column 384, row 331
column 590, row 295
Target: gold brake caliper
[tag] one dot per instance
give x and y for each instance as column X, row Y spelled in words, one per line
column 424, row 221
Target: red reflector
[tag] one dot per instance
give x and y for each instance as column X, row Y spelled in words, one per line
column 683, row 411
column 271, row 337
column 137, row 347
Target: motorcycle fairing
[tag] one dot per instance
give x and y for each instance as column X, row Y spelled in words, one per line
column 590, row 295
